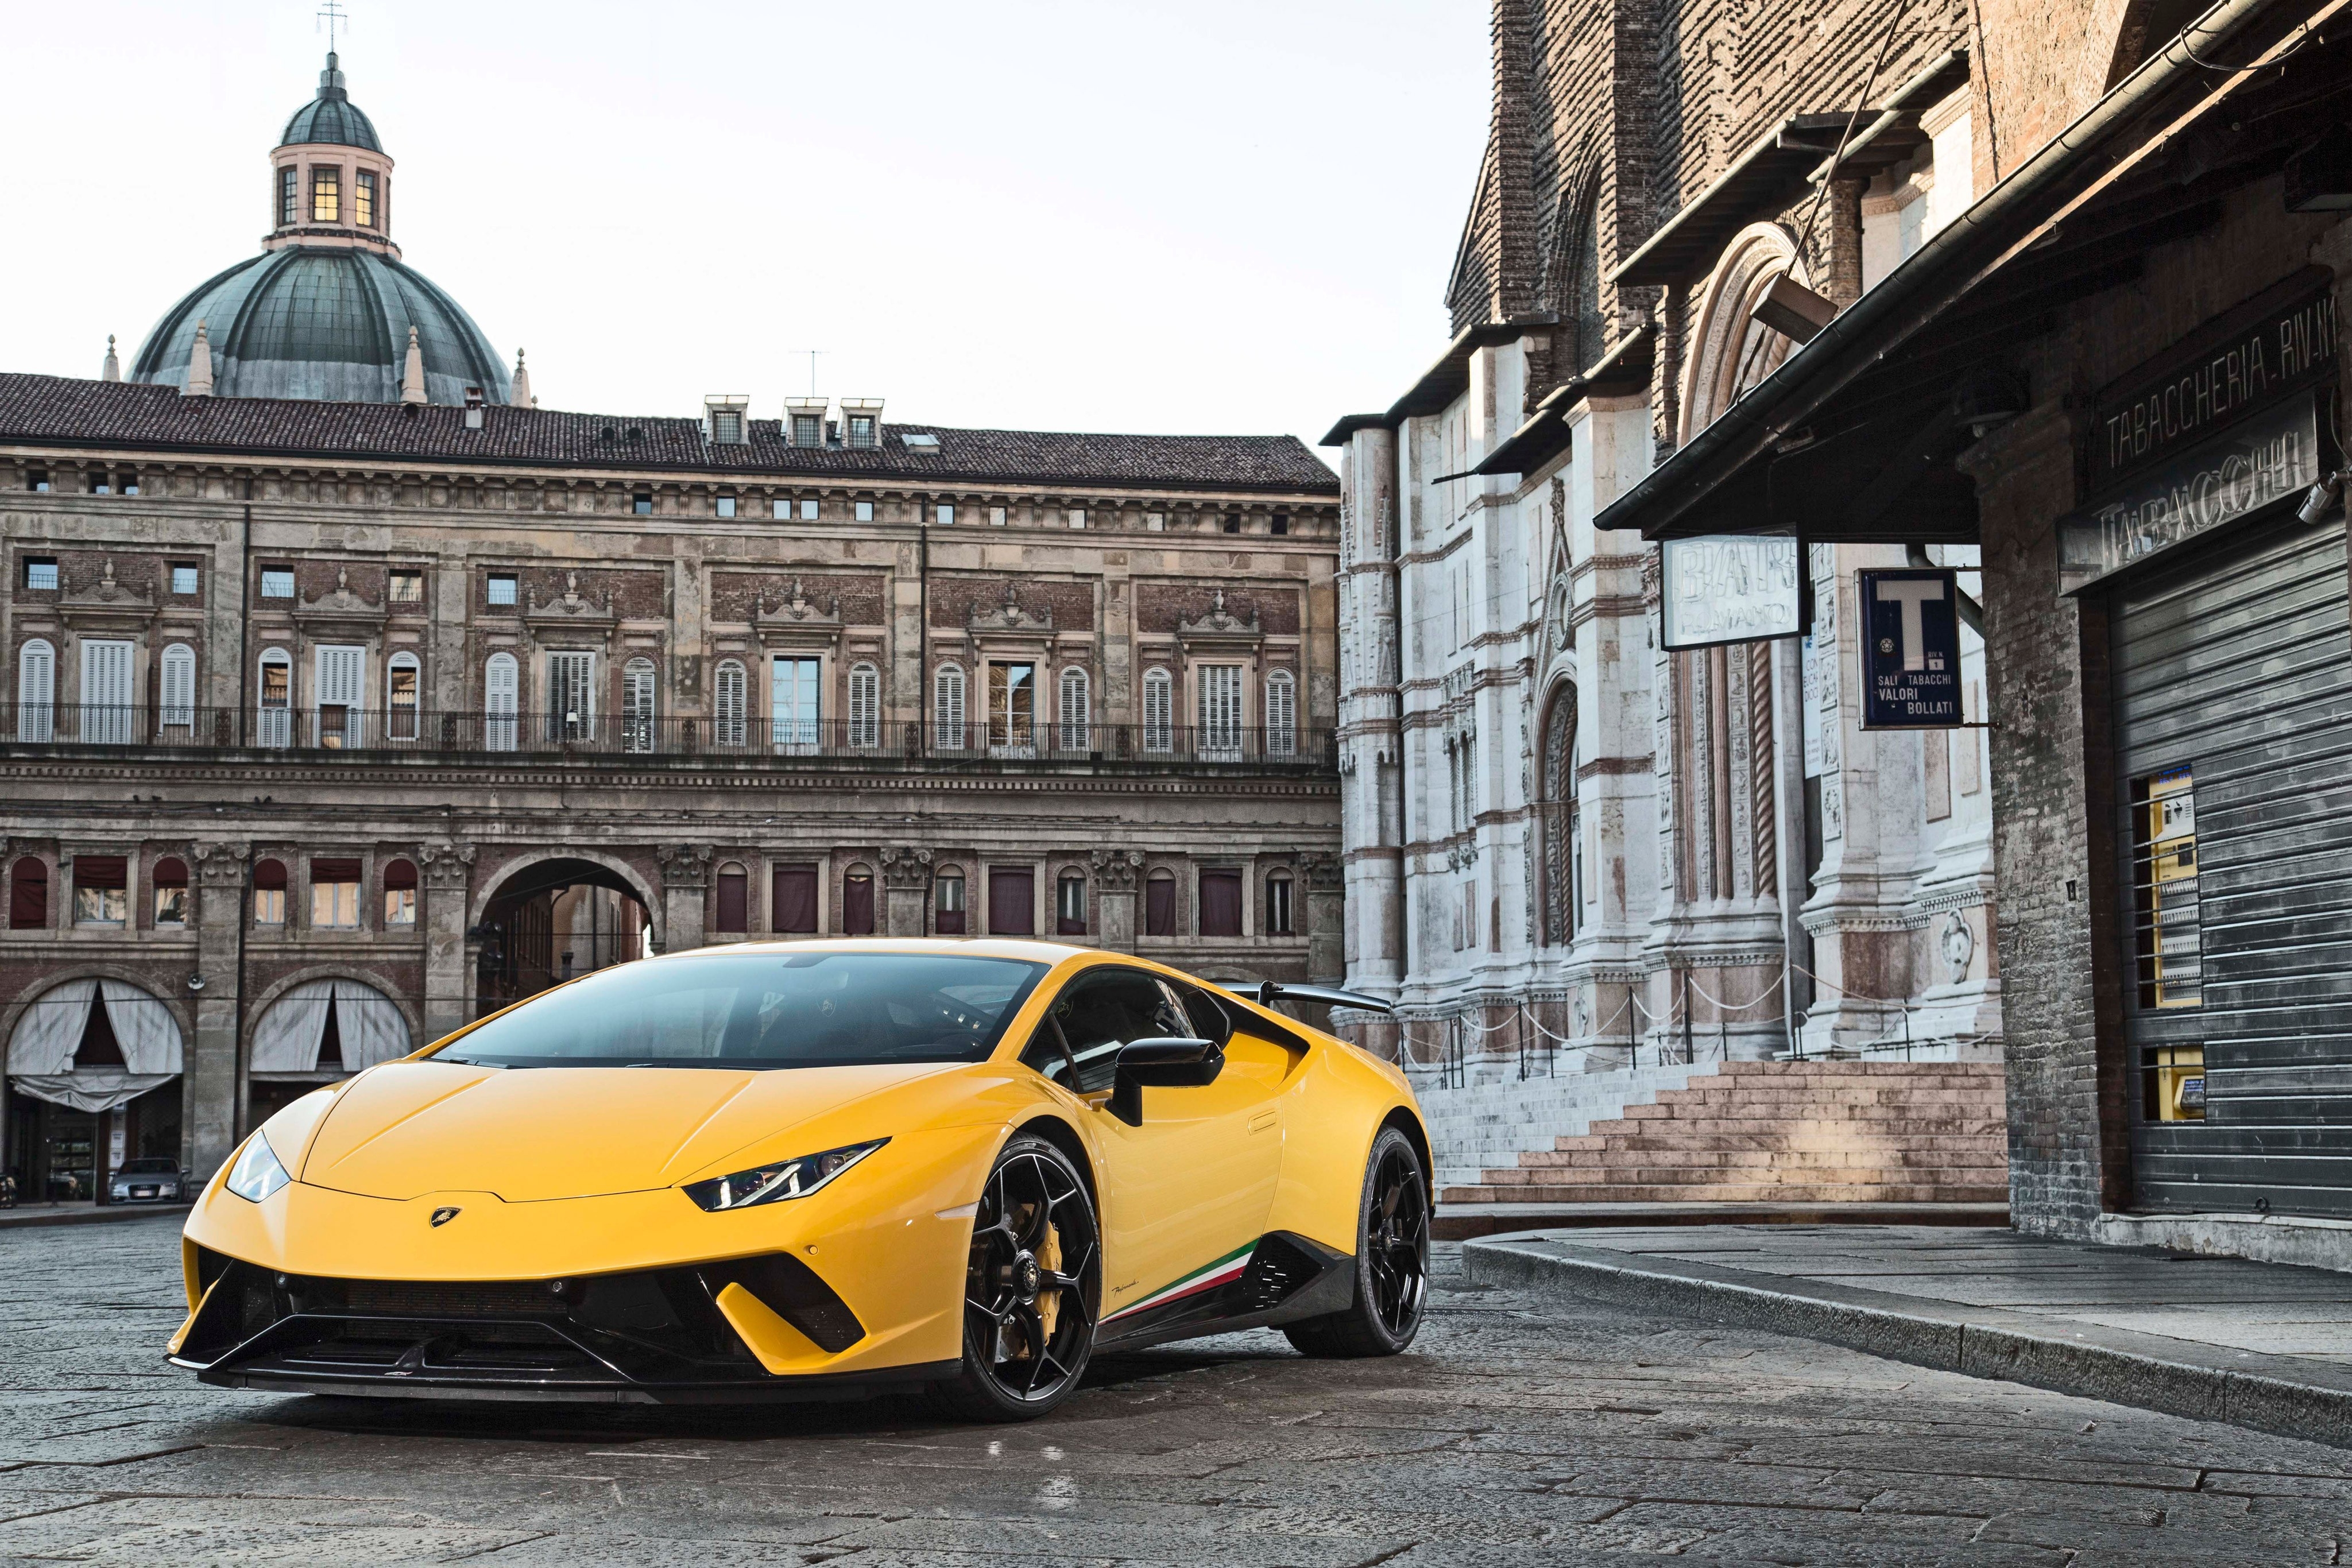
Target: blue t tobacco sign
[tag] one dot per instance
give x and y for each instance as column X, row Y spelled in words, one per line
column 1910, row 648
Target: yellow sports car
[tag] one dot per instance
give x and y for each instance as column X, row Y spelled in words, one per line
column 788, row 1169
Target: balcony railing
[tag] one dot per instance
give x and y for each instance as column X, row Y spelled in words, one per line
column 407, row 730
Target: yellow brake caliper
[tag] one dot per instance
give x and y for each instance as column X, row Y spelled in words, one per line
column 1049, row 1305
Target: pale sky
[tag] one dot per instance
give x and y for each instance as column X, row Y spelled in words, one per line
column 1181, row 215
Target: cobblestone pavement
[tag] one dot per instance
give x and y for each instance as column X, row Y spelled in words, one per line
column 1517, row 1431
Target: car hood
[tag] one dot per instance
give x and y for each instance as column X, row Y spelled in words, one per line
column 409, row 1128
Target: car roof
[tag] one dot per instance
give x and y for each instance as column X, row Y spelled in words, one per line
column 970, row 946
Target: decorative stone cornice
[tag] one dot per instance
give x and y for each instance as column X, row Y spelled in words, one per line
column 1219, row 622
column 1323, row 872
column 1008, row 616
column 797, row 611
column 575, row 608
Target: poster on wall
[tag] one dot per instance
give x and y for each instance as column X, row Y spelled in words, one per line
column 1730, row 588
column 1910, row 648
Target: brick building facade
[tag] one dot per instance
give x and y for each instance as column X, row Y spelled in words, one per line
column 337, row 716
column 2121, row 379
column 1562, row 838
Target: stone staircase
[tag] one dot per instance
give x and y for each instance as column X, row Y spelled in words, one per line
column 1771, row 1132
column 1475, row 1129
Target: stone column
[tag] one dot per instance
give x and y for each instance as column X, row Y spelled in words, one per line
column 1116, row 874
column 685, row 880
column 906, row 891
column 449, row 880
column 208, row 1072
column 1326, row 879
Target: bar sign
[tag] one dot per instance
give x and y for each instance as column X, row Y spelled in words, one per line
column 1910, row 648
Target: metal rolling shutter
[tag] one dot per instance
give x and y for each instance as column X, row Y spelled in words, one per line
column 2237, row 666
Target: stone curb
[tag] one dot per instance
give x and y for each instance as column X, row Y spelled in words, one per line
column 92, row 1214
column 2276, row 1394
column 1463, row 1221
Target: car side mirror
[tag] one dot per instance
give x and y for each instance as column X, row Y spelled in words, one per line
column 1166, row 1062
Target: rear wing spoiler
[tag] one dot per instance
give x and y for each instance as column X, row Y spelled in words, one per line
column 1265, row 993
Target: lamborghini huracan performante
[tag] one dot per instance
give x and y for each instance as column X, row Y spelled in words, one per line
column 794, row 1170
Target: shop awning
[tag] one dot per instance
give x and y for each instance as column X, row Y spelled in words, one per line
column 49, row 1033
column 1852, row 437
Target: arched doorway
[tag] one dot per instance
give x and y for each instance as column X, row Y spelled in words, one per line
column 95, row 1067
column 552, row 920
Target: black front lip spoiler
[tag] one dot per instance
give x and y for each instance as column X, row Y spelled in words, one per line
column 806, row 1388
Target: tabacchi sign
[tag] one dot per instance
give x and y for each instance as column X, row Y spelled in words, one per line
column 1910, row 648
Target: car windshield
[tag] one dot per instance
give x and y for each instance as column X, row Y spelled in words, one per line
column 149, row 1166
column 758, row 1010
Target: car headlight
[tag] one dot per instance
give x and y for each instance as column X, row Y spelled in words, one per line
column 256, row 1173
column 773, row 1183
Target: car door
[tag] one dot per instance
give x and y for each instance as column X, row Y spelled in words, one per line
column 1190, row 1186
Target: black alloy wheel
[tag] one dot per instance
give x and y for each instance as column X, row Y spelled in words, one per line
column 1391, row 1260
column 1033, row 1287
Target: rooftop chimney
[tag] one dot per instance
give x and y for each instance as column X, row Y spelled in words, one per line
column 472, row 408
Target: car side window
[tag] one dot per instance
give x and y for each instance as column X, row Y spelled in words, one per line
column 1045, row 1052
column 1209, row 1021
column 1105, row 1009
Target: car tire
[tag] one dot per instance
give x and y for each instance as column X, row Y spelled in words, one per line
column 1035, row 1239
column 1391, row 1260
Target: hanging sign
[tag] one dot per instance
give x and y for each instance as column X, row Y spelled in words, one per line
column 1910, row 648
column 1729, row 588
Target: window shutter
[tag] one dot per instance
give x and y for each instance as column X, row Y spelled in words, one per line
column 948, row 710
column 864, row 706
column 1073, row 710
column 1158, row 718
column 499, row 700
column 106, row 692
column 179, row 688
column 339, row 676
column 732, row 681
column 637, row 706
column 1221, row 706
column 1281, row 713
column 37, row 688
column 570, row 706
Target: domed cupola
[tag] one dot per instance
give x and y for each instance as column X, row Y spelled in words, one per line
column 327, row 310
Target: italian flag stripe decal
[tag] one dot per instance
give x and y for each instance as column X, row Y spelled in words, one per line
column 1224, row 1269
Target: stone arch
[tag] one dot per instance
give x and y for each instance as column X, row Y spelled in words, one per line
column 258, row 1003
column 1729, row 351
column 183, row 1014
column 489, row 885
column 512, row 929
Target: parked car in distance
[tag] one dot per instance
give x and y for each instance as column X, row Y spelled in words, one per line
column 150, row 1179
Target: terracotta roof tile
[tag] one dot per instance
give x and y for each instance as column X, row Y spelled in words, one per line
column 65, row 411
